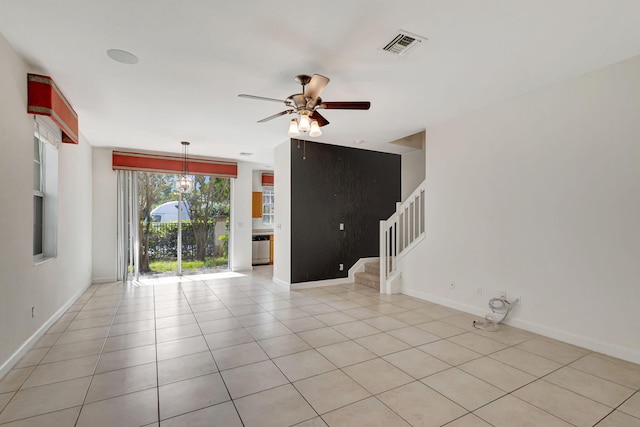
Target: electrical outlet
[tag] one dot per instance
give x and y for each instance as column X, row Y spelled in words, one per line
column 33, row 312
column 341, row 226
column 452, row 285
column 341, row 267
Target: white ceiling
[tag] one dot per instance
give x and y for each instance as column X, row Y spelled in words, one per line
column 196, row 56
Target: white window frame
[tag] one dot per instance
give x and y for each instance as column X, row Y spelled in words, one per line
column 268, row 199
column 48, row 137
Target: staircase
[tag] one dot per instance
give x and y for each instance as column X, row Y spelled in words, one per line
column 399, row 234
column 370, row 276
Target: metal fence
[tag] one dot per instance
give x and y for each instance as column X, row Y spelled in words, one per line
column 164, row 235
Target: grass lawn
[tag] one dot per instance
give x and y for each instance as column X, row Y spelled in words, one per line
column 165, row 266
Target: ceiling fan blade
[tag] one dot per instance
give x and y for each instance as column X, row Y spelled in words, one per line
column 320, row 118
column 281, row 113
column 315, row 86
column 349, row 105
column 262, row 98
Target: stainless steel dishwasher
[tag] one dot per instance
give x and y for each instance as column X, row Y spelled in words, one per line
column 260, row 249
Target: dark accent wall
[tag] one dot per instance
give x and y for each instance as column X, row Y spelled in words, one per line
column 336, row 185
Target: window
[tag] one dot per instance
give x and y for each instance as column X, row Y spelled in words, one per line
column 45, row 188
column 267, row 205
column 38, row 198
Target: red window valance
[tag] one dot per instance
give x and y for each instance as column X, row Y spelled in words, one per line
column 267, row 179
column 163, row 163
column 45, row 98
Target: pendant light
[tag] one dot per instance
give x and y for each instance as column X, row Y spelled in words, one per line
column 184, row 183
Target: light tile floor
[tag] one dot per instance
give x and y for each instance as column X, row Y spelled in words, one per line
column 240, row 350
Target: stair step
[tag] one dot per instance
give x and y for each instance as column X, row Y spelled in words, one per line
column 372, row 267
column 368, row 279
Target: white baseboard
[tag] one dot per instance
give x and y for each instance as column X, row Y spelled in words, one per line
column 101, row 280
column 359, row 266
column 33, row 339
column 320, row 283
column 242, row 268
column 281, row 282
column 624, row 353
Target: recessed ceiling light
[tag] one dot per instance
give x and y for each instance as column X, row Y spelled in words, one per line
column 246, row 154
column 358, row 141
column 122, row 56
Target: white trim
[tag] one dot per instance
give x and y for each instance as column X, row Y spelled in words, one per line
column 101, row 280
column 411, row 246
column 359, row 266
column 393, row 284
column 280, row 282
column 624, row 353
column 33, row 339
column 320, row 283
column 41, row 259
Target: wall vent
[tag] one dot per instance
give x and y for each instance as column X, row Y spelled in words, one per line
column 401, row 42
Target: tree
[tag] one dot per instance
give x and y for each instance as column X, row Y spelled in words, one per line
column 152, row 188
column 209, row 200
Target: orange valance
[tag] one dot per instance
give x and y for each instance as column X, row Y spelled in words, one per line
column 45, row 98
column 267, row 179
column 162, row 163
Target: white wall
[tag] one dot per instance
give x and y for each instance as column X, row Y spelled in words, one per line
column 104, row 216
column 282, row 214
column 539, row 196
column 412, row 171
column 52, row 284
column 240, row 245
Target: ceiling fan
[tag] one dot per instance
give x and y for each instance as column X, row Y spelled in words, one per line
column 307, row 104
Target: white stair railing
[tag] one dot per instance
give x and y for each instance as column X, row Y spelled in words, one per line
column 401, row 233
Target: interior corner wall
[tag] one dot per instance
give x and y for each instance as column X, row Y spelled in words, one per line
column 50, row 285
column 413, row 171
column 104, row 214
column 282, row 214
column 333, row 185
column 240, row 246
column 539, row 196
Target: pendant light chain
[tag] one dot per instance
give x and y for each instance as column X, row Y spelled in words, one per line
column 185, row 184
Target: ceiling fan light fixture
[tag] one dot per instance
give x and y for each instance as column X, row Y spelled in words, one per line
column 293, row 128
column 315, row 129
column 305, row 105
column 305, row 123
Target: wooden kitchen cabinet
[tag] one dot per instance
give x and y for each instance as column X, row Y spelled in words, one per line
column 256, row 204
column 271, row 249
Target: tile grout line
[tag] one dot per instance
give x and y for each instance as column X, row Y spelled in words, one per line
column 306, row 295
column 100, row 354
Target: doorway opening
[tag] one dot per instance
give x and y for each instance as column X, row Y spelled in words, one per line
column 182, row 233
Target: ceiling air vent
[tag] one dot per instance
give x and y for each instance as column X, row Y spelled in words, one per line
column 401, row 42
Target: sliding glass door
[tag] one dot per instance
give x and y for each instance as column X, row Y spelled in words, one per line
column 182, row 233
